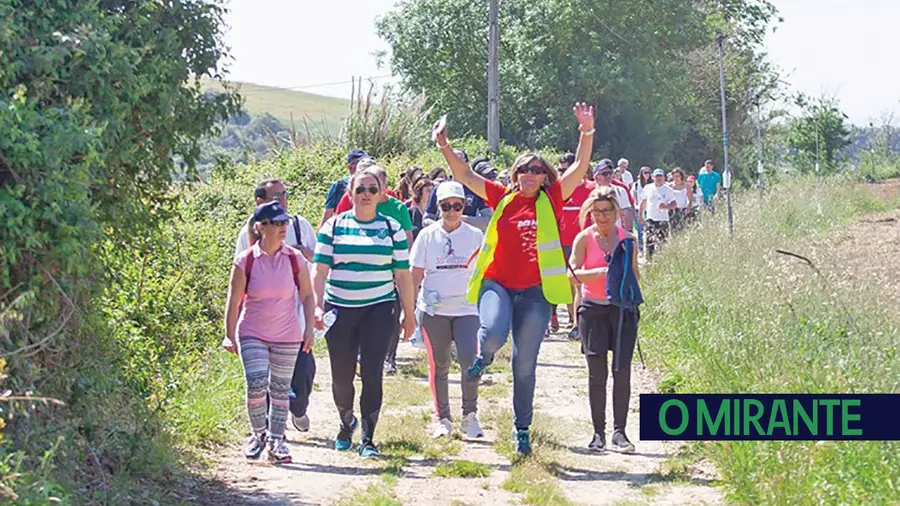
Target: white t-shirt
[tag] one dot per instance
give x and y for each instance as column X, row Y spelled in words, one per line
column 627, row 178
column 681, row 197
column 308, row 239
column 444, row 255
column 656, row 195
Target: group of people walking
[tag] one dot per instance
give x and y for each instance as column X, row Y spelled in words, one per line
column 458, row 259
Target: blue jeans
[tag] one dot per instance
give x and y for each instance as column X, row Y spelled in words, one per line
column 526, row 313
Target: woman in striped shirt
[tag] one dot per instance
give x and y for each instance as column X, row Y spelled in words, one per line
column 360, row 256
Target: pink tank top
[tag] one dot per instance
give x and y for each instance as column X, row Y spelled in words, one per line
column 596, row 257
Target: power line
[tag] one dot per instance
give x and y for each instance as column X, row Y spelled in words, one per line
column 306, row 86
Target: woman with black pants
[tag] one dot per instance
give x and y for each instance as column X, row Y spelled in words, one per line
column 598, row 319
column 360, row 255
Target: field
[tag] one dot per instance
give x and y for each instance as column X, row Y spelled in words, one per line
column 318, row 110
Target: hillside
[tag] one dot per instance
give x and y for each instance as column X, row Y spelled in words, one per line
column 281, row 103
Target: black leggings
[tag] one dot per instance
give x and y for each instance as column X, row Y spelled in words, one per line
column 597, row 325
column 363, row 332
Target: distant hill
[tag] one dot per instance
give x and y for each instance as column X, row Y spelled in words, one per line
column 279, row 102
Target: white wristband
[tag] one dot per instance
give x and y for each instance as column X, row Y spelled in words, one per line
column 589, row 132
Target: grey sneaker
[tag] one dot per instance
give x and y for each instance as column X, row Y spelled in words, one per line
column 301, row 423
column 620, row 442
column 597, row 444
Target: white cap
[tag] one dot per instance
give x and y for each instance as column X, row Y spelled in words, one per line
column 449, row 190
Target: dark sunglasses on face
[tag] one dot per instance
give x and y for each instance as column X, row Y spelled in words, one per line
column 530, row 169
column 454, row 207
column 605, row 173
column 279, row 223
column 362, row 189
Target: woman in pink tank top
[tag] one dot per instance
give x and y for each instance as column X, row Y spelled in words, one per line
column 598, row 320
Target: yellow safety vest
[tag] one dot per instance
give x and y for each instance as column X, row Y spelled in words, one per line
column 551, row 260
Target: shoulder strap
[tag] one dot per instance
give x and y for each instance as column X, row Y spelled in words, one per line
column 295, row 269
column 298, row 235
column 248, row 266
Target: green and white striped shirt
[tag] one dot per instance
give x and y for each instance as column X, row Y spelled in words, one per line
column 362, row 256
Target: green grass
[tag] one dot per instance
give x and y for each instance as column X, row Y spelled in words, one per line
column 462, row 469
column 378, row 494
column 210, row 408
column 318, row 110
column 731, row 315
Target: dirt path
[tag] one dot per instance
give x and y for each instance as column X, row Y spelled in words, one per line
column 323, row 476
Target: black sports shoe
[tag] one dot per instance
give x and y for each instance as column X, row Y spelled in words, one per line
column 344, row 439
column 620, row 442
column 597, row 444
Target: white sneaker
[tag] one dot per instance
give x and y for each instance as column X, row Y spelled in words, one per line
column 471, row 426
column 442, row 428
column 417, row 342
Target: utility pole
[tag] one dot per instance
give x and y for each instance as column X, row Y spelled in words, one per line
column 726, row 178
column 759, row 153
column 817, row 152
column 493, row 127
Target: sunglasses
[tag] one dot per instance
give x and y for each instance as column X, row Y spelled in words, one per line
column 362, row 189
column 278, row 195
column 451, row 207
column 605, row 173
column 530, row 169
column 279, row 223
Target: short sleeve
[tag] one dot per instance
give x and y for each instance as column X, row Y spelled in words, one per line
column 309, row 235
column 495, row 192
column 240, row 261
column 242, row 242
column 400, row 255
column 334, row 194
column 325, row 243
column 403, row 216
column 419, row 249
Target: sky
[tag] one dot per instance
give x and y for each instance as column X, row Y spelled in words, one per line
column 840, row 48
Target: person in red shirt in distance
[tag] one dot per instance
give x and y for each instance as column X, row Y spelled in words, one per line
column 569, row 227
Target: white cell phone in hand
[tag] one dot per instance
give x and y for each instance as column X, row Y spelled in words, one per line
column 438, row 128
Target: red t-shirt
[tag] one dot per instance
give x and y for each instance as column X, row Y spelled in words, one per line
column 568, row 225
column 515, row 264
column 346, row 202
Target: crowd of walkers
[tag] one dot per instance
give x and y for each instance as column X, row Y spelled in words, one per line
column 460, row 261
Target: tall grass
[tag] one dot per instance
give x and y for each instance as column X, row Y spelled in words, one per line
column 730, row 315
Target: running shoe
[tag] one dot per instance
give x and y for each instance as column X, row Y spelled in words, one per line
column 301, row 423
column 254, row 446
column 344, row 439
column 367, row 450
column 523, row 442
column 471, row 426
column 620, row 442
column 597, row 444
column 442, row 428
column 279, row 453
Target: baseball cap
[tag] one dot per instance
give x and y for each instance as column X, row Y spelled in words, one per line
column 483, row 168
column 355, row 155
column 567, row 158
column 606, row 163
column 449, row 190
column 365, row 162
column 272, row 211
column 659, row 172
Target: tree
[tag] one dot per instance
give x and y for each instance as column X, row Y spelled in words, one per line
column 820, row 133
column 97, row 98
column 637, row 62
